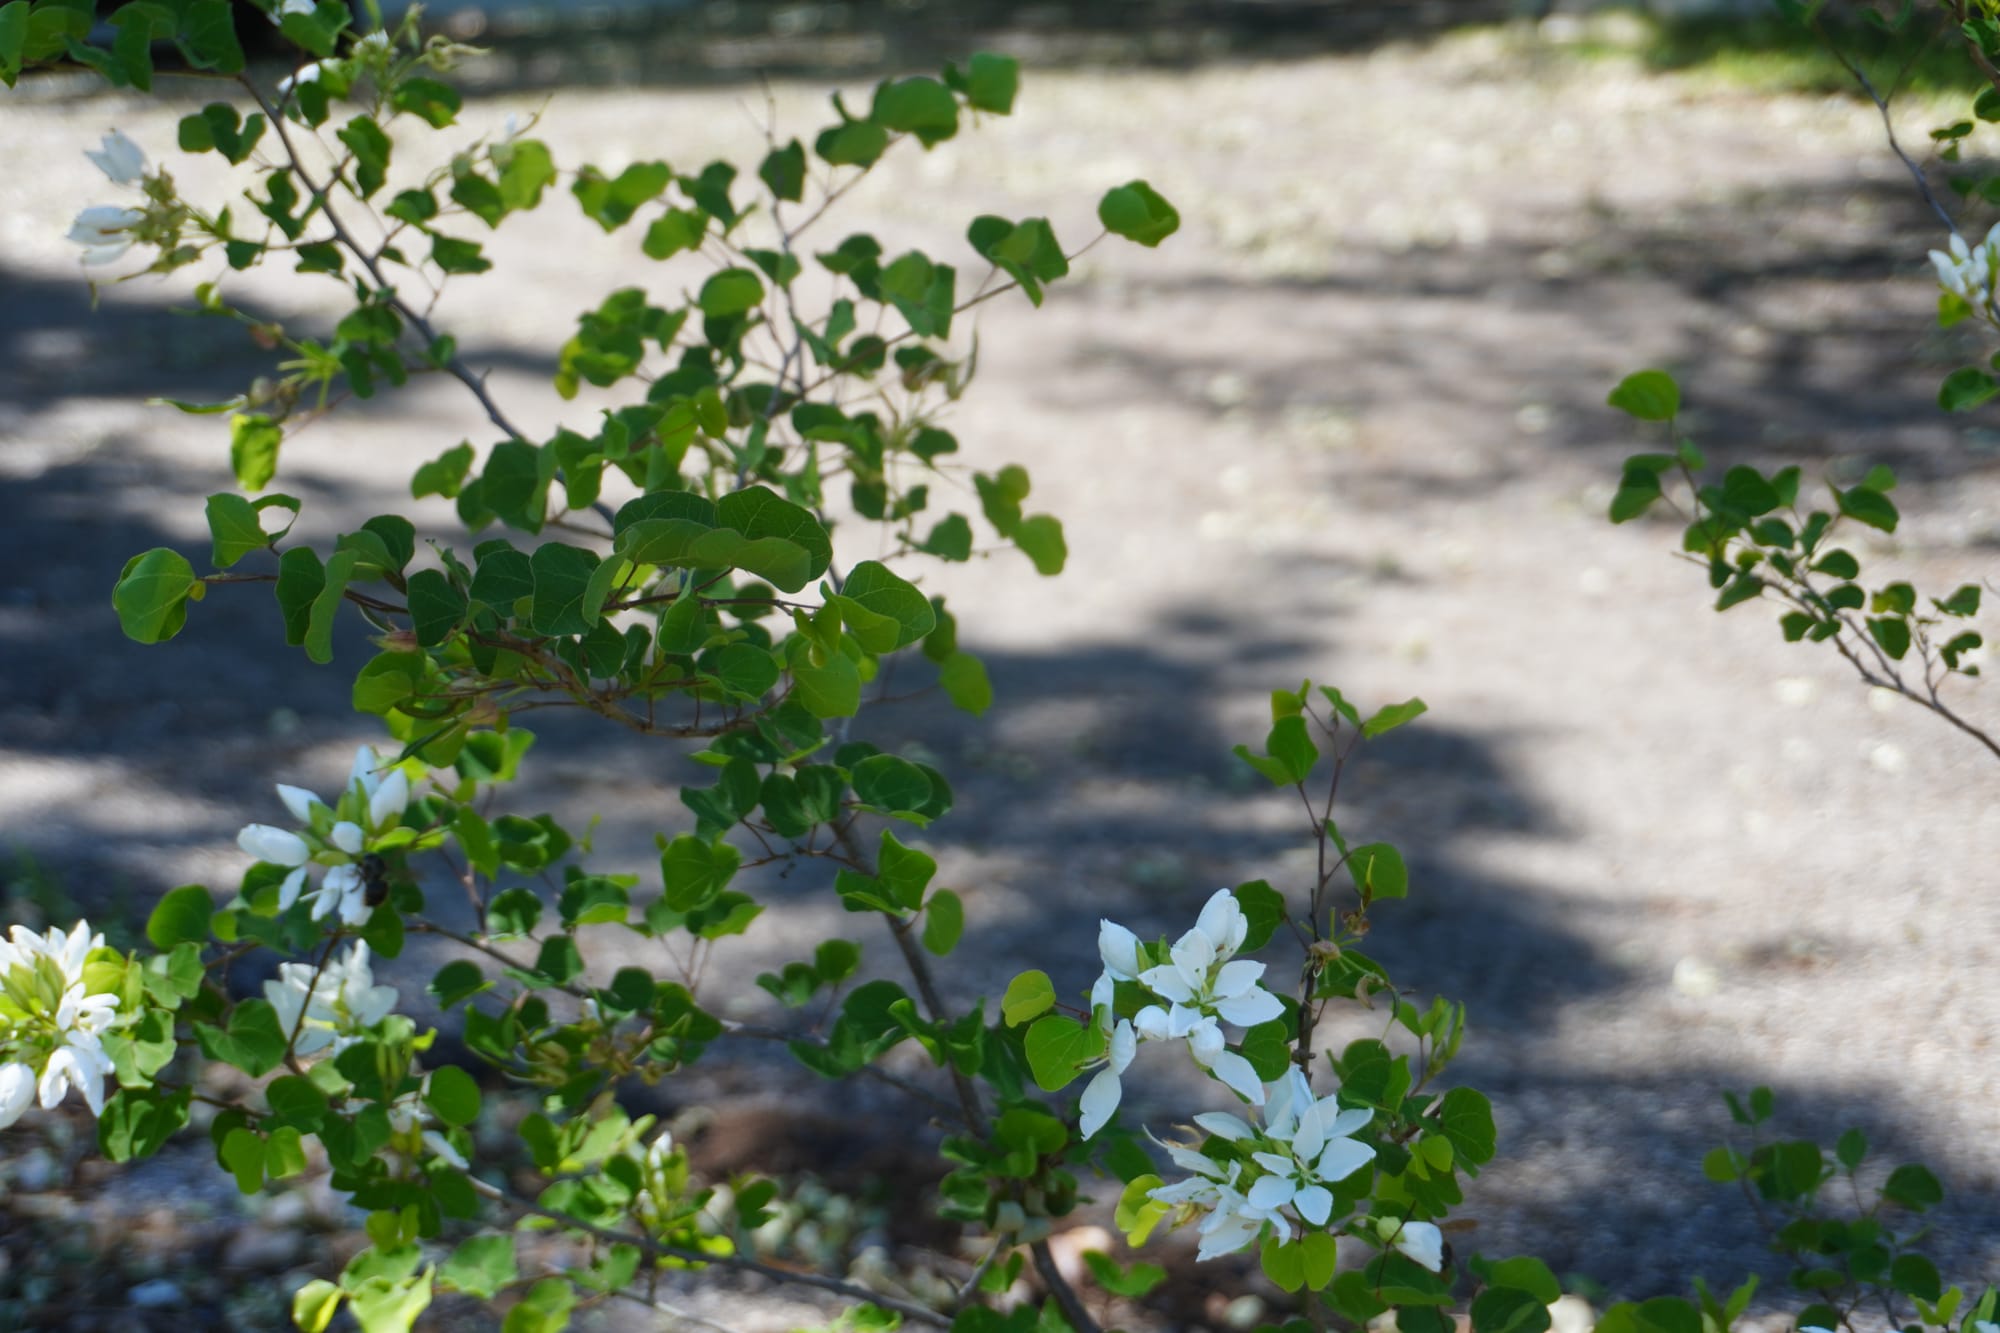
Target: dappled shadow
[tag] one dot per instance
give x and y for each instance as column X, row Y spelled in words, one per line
column 1811, row 343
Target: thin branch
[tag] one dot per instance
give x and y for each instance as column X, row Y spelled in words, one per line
column 908, row 1309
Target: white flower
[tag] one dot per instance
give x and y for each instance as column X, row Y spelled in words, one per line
column 334, row 836
column 17, row 1091
column 343, row 893
column 1235, row 1224
column 120, row 159
column 1119, row 948
column 1421, row 1241
column 440, row 1146
column 1317, row 1149
column 374, row 41
column 76, row 1065
column 1967, row 271
column 305, row 7
column 309, row 74
column 333, row 1010
column 1101, row 1097
column 105, row 232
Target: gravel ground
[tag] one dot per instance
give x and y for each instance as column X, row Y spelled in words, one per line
column 1347, row 425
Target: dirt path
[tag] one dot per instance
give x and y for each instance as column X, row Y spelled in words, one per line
column 1347, row 426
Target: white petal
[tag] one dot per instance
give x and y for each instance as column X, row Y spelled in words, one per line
column 1187, row 1159
column 119, row 158
column 1238, row 1076
column 1193, row 954
column 1423, row 1243
column 389, row 800
column 273, row 845
column 354, row 908
column 348, row 837
column 1124, row 1045
column 1119, row 948
column 1277, row 1162
column 1349, row 1122
column 1235, row 978
column 363, row 770
column 58, row 1075
column 1205, row 1045
column 1103, row 993
column 17, row 1091
column 1151, row 1023
column 1230, row 1233
column 299, row 801
column 288, row 892
column 1168, row 983
column 1247, row 1011
column 1100, row 1099
column 1272, row 1192
column 440, row 1146
column 1315, row 1204
column 1194, row 1190
column 1342, row 1158
column 1219, row 922
column 1225, row 1126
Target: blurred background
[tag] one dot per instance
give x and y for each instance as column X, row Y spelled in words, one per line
column 1347, row 425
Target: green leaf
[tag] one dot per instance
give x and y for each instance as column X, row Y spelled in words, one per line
column 1966, row 388
column 1869, row 506
column 137, row 1122
column 1058, row 1048
column 320, row 616
column 1393, row 716
column 1466, row 1118
column 545, row 1309
column 1268, row 1049
column 1501, row 1309
column 1524, row 1273
column 611, row 203
column 234, row 527
column 963, row 677
column 1914, row 1187
column 253, row 450
column 1029, row 995
column 315, row 1304
column 526, row 172
column 562, row 582
column 853, row 143
column 832, row 690
column 1284, row 1262
column 454, row 255
column 783, row 172
column 944, row 922
column 452, row 1096
column 428, row 100
column 881, row 610
column 891, row 784
column 920, row 106
column 733, row 291
column 1138, row 213
column 181, row 915
column 1263, row 910
column 1649, row 395
column 695, row 872
column 514, row 912
column 991, row 82
column 437, row 608
column 481, row 1266
column 1040, row 538
column 152, row 593
column 1892, row 633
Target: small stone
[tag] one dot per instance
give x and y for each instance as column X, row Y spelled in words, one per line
column 155, row 1295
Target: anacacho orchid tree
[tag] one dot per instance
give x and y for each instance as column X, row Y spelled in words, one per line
column 686, row 564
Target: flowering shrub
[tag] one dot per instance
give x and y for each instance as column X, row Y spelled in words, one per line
column 682, row 566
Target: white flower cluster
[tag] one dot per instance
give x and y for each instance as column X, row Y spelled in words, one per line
column 664, row 1178
column 105, row 230
column 335, row 836
column 333, row 1007
column 49, row 1018
column 1968, row 271
column 1200, row 987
